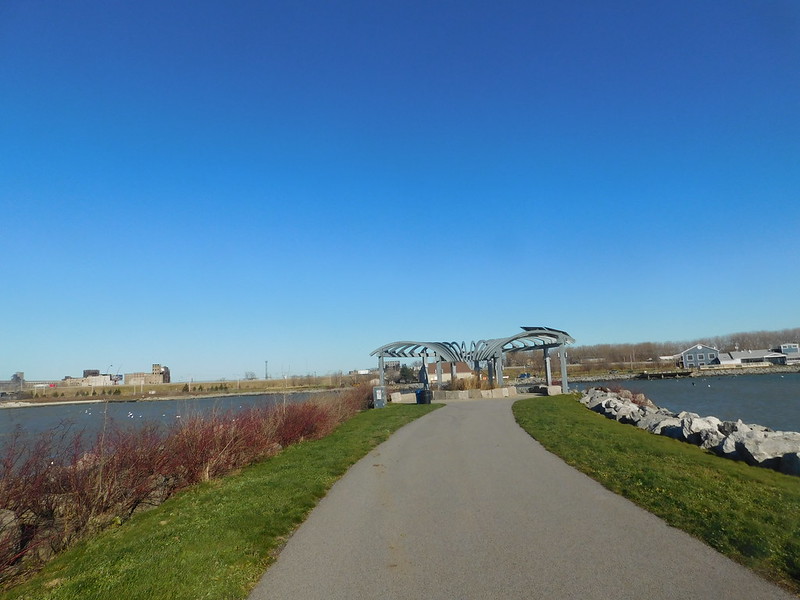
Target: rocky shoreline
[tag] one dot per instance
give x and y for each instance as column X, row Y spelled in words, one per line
column 710, row 372
column 754, row 444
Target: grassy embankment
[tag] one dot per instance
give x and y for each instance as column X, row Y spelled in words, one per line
column 748, row 513
column 215, row 539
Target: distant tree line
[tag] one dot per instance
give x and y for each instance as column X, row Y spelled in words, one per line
column 613, row 354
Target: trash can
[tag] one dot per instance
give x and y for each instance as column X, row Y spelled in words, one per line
column 379, row 396
column 424, row 396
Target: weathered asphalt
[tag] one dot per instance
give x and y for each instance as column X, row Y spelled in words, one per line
column 464, row 504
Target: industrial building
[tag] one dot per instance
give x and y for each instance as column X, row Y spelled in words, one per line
column 158, row 374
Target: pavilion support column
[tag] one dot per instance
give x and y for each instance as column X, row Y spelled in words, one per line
column 381, row 369
column 500, row 381
column 564, row 384
column 490, row 369
column 548, row 374
column 425, row 367
column 438, row 373
column 452, row 375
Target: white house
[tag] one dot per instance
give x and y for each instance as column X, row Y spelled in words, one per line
column 462, row 371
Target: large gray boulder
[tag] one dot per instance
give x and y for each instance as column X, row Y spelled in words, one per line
column 767, row 449
column 608, row 406
column 728, row 427
column 694, row 427
column 669, row 426
column 628, row 413
column 790, row 463
column 711, row 439
column 594, row 401
column 650, row 417
column 685, row 414
column 729, row 448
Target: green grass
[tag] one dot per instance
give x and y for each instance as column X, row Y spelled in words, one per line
column 214, row 540
column 747, row 513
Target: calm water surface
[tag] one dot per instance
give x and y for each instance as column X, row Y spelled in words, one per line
column 772, row 400
column 90, row 417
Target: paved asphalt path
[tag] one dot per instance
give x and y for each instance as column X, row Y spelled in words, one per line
column 462, row 503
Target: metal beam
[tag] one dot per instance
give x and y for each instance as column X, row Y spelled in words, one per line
column 488, row 351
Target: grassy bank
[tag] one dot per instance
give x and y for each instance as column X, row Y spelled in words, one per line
column 748, row 513
column 214, row 540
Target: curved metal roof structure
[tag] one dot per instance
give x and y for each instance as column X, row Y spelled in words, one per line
column 531, row 338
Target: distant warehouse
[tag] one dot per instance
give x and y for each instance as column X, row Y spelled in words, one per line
column 158, row 374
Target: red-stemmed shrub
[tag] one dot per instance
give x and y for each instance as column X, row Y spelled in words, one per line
column 298, row 422
column 59, row 486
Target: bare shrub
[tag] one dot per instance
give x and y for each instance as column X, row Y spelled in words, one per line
column 302, row 422
column 356, row 399
column 470, row 383
column 204, row 448
column 455, row 385
column 61, row 487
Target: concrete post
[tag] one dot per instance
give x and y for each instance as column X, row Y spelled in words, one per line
column 380, row 368
column 500, row 370
column 452, row 375
column 438, row 373
column 548, row 374
column 564, row 384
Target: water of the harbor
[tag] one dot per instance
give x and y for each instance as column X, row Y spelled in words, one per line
column 772, row 400
column 91, row 417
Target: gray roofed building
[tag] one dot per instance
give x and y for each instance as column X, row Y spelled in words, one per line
column 699, row 355
column 752, row 357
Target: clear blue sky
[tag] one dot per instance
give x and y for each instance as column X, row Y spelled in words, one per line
column 211, row 185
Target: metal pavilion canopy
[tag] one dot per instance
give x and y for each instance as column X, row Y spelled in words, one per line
column 491, row 352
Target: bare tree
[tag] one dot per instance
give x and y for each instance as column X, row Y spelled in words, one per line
column 608, row 354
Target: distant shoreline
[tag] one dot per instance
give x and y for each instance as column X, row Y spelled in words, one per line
column 714, row 372
column 30, row 404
